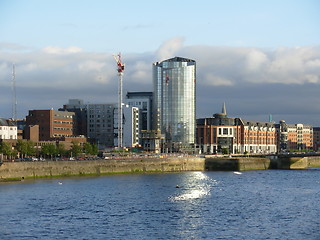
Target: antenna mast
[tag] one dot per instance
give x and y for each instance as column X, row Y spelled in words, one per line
column 14, row 94
column 120, row 70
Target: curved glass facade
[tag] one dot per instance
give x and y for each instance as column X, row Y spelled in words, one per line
column 174, row 99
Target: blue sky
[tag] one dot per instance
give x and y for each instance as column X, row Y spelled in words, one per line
column 139, row 26
column 63, row 49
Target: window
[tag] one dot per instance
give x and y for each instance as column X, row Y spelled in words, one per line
column 225, row 131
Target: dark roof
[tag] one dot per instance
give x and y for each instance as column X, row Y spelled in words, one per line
column 139, row 94
column 179, row 59
column 7, row 122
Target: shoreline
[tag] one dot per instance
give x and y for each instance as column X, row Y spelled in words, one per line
column 17, row 171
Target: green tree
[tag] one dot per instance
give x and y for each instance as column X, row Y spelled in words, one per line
column 49, row 150
column 61, row 150
column 87, row 148
column 25, row 148
column 91, row 149
column 75, row 149
column 6, row 149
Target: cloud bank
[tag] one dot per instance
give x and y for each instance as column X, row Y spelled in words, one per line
column 254, row 82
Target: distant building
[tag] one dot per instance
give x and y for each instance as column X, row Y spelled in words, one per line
column 8, row 129
column 222, row 134
column 80, row 109
column 174, row 103
column 101, row 124
column 294, row 137
column 52, row 124
column 316, row 139
column 131, row 127
column 143, row 101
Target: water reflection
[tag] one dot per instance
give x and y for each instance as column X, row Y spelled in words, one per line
column 194, row 186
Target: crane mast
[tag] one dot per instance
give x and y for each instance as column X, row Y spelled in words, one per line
column 120, row 70
column 14, row 94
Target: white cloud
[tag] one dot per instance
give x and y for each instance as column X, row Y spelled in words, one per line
column 56, row 74
column 59, row 50
column 169, row 48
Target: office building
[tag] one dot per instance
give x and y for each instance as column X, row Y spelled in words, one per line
column 52, row 124
column 80, row 109
column 143, row 101
column 101, row 122
column 130, row 127
column 174, row 103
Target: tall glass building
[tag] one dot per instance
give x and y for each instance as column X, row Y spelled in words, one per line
column 174, row 101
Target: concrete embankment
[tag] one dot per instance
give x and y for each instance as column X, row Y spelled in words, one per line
column 237, row 164
column 18, row 170
column 294, row 162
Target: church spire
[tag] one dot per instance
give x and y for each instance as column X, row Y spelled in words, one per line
column 224, row 109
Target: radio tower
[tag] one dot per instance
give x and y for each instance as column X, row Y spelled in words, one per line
column 14, row 94
column 120, row 70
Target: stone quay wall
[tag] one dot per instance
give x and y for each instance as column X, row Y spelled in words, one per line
column 18, row 170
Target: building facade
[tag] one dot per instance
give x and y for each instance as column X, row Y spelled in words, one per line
column 316, row 139
column 80, row 109
column 8, row 129
column 294, row 137
column 52, row 124
column 222, row 134
column 131, row 127
column 101, row 124
column 174, row 102
column 143, row 101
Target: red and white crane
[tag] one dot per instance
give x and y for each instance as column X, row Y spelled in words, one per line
column 120, row 70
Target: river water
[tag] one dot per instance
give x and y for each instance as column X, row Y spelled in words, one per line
column 269, row 204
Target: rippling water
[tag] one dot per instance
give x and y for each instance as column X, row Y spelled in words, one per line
column 189, row 205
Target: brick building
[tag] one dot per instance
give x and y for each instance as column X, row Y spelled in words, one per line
column 52, row 124
column 294, row 137
column 222, row 134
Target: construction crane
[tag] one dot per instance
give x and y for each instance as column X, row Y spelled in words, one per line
column 120, row 70
column 14, row 94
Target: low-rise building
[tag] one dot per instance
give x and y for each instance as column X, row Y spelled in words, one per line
column 8, row 129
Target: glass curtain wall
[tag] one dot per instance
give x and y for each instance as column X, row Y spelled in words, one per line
column 174, row 98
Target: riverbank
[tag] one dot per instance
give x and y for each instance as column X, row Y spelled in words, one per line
column 25, row 170
column 10, row 171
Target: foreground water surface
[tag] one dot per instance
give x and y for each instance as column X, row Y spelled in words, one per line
column 189, row 205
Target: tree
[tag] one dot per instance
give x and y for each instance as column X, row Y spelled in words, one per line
column 91, row 149
column 61, row 149
column 75, row 149
column 49, row 150
column 25, row 148
column 6, row 149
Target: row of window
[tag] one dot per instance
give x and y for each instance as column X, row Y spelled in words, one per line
column 6, row 128
column 4, row 137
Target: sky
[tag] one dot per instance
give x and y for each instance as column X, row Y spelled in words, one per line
column 261, row 58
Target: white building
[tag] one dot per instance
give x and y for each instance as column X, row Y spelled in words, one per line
column 8, row 129
column 130, row 127
column 143, row 101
